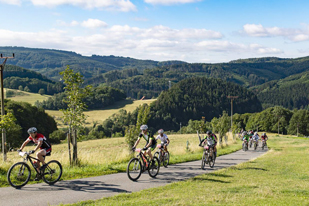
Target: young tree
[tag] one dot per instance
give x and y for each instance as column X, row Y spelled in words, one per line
column 74, row 115
column 41, row 91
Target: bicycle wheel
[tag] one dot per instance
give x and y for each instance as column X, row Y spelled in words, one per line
column 263, row 145
column 203, row 160
column 211, row 161
column 19, row 175
column 255, row 146
column 243, row 147
column 52, row 172
column 166, row 159
column 157, row 154
column 154, row 168
column 134, row 169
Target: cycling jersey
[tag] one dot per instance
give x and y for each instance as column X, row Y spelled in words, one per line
column 255, row 137
column 246, row 137
column 264, row 137
column 45, row 145
column 147, row 137
column 163, row 139
column 212, row 137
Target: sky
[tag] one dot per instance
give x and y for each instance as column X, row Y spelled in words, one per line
column 195, row 31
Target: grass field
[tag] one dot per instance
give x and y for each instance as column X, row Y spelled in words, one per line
column 98, row 157
column 28, row 96
column 92, row 115
column 280, row 177
column 101, row 115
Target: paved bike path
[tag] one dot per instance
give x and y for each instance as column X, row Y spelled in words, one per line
column 72, row 191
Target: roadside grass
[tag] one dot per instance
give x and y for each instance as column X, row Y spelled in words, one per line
column 279, row 177
column 103, row 114
column 107, row 156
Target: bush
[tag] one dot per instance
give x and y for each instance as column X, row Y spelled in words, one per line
column 57, row 136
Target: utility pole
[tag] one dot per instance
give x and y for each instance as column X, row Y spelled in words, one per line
column 2, row 103
column 232, row 99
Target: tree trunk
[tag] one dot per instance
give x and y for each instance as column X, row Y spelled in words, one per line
column 69, row 146
column 75, row 161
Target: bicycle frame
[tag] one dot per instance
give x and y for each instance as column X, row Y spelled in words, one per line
column 30, row 159
column 141, row 156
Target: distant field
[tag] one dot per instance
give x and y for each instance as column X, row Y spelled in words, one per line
column 101, row 115
column 27, row 96
column 93, row 115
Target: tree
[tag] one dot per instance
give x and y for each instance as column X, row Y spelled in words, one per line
column 133, row 130
column 41, row 91
column 299, row 123
column 223, row 126
column 26, row 89
column 20, row 88
column 74, row 115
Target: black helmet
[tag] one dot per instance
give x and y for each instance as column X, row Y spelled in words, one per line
column 209, row 132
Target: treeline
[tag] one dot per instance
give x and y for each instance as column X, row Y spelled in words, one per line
column 274, row 119
column 29, row 81
column 192, row 98
column 100, row 97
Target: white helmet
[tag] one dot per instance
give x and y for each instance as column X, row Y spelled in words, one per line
column 32, row 130
column 255, row 133
column 144, row 127
column 161, row 131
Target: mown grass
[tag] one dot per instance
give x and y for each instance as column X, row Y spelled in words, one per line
column 280, row 177
column 106, row 156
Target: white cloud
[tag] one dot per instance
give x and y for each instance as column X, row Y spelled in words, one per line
column 93, row 23
column 170, row 2
column 192, row 45
column 120, row 5
column 12, row 2
column 257, row 30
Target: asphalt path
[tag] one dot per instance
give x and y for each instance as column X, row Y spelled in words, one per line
column 72, row 191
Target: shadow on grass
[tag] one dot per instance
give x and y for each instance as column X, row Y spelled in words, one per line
column 205, row 178
column 119, row 104
column 249, row 168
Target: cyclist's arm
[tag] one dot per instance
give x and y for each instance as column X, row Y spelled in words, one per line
column 136, row 143
column 24, row 144
column 168, row 141
column 39, row 145
column 149, row 143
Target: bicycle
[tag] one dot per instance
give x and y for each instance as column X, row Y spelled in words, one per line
column 163, row 156
column 250, row 142
column 139, row 164
column 209, row 156
column 263, row 144
column 255, row 144
column 244, row 145
column 19, row 173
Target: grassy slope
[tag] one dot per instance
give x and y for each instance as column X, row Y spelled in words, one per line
column 28, row 97
column 101, row 115
column 279, row 177
column 93, row 153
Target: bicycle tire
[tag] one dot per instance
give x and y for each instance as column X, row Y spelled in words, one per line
column 157, row 154
column 211, row 160
column 23, row 167
column 134, row 167
column 52, row 172
column 203, row 160
column 153, row 170
column 166, row 159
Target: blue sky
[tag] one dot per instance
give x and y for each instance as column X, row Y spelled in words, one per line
column 207, row 31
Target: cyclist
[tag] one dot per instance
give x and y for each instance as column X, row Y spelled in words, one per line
column 245, row 136
column 151, row 142
column 42, row 143
column 211, row 135
column 264, row 138
column 164, row 139
column 256, row 137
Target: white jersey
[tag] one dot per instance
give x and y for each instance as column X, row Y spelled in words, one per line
column 255, row 137
column 163, row 138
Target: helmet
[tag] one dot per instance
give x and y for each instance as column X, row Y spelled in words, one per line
column 144, row 127
column 160, row 131
column 255, row 133
column 208, row 132
column 264, row 134
column 244, row 133
column 32, row 130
